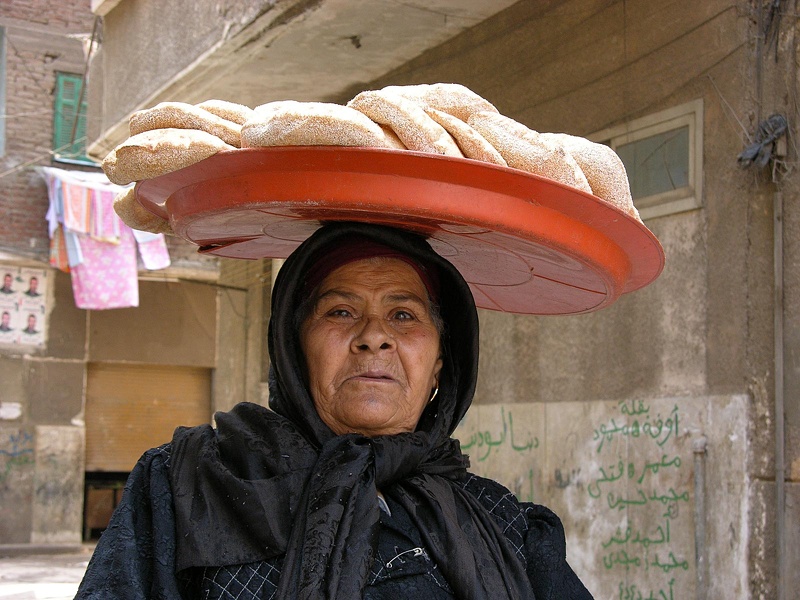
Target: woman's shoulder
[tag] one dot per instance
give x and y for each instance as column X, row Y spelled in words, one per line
column 537, row 535
column 519, row 520
column 500, row 500
column 493, row 495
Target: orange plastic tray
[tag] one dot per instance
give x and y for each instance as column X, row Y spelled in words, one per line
column 525, row 244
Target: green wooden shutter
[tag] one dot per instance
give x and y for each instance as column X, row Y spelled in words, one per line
column 68, row 93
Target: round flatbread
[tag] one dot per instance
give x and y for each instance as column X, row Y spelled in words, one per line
column 451, row 98
column 291, row 123
column 158, row 152
column 524, row 149
column 408, row 120
column 237, row 113
column 135, row 216
column 391, row 137
column 471, row 143
column 603, row 168
column 179, row 115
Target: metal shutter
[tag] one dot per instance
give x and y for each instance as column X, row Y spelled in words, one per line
column 131, row 408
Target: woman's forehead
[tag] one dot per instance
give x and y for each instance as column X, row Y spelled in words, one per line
column 385, row 276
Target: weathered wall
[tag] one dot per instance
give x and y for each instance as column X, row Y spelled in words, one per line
column 622, row 472
column 44, row 392
column 704, row 331
column 43, row 389
column 243, row 314
column 174, row 324
column 254, row 52
column 41, row 457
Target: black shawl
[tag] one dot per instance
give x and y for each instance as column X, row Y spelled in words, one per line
column 267, row 484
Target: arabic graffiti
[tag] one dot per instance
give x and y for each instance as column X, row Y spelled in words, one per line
column 631, row 470
column 632, row 592
column 485, row 441
column 623, row 559
column 641, row 482
column 523, row 487
column 618, row 468
column 17, row 453
column 618, row 538
column 660, row 430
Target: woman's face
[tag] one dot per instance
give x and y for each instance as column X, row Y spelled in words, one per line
column 372, row 348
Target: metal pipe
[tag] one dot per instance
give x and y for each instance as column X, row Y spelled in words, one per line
column 780, row 431
column 699, row 446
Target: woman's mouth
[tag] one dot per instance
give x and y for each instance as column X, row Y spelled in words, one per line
column 373, row 375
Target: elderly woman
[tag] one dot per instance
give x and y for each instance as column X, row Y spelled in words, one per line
column 351, row 486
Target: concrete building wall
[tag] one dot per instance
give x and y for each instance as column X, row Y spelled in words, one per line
column 43, row 393
column 700, row 339
column 36, row 46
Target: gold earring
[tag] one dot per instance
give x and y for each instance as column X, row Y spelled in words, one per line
column 436, row 391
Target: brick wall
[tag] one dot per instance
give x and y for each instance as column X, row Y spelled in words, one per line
column 36, row 47
column 73, row 17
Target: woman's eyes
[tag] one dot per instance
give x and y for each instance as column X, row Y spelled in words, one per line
column 347, row 313
column 403, row 315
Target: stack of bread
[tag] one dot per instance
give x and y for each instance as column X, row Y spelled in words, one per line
column 442, row 118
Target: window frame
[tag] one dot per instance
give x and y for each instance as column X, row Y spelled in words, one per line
column 689, row 197
column 58, row 117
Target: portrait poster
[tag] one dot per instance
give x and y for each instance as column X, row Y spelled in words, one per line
column 23, row 306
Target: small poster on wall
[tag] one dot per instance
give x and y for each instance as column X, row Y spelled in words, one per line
column 23, row 306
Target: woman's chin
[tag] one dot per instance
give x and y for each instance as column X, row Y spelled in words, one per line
column 373, row 418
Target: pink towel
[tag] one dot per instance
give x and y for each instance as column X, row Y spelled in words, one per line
column 107, row 277
column 106, row 224
column 77, row 207
column 152, row 249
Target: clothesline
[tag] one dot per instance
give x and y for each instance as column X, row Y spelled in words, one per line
column 89, row 241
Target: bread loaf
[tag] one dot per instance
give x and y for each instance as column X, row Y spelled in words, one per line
column 472, row 144
column 237, row 113
column 179, row 115
column 525, row 149
column 158, row 152
column 451, row 98
column 290, row 123
column 408, row 120
column 135, row 216
column 603, row 169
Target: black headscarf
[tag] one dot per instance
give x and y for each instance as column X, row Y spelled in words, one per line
column 266, row 484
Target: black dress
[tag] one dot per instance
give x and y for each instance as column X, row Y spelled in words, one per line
column 135, row 557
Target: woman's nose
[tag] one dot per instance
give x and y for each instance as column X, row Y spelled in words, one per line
column 373, row 335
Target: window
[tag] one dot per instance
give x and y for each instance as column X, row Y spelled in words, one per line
column 663, row 155
column 69, row 120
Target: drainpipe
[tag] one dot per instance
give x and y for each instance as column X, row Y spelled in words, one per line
column 699, row 446
column 780, row 459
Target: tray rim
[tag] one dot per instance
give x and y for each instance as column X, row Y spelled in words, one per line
column 166, row 196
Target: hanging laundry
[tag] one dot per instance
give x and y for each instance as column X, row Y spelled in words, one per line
column 107, row 277
column 77, row 208
column 58, row 250
column 55, row 212
column 106, row 224
column 92, row 243
column 152, row 249
column 72, row 241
